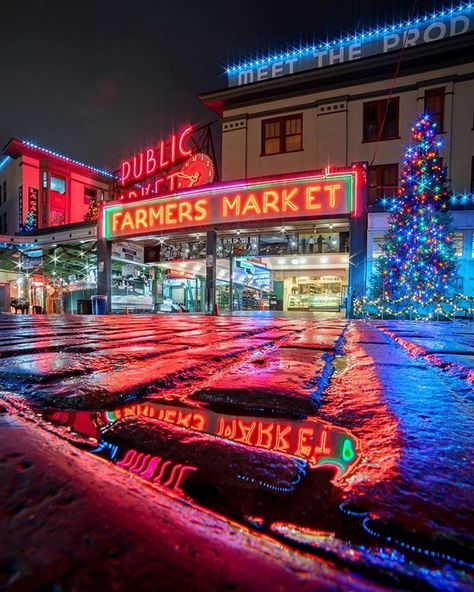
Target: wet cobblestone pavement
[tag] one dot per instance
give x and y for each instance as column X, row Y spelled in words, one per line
column 235, row 453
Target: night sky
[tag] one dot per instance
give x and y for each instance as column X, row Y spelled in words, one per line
column 98, row 79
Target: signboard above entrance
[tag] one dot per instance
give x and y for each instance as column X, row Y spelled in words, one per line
column 310, row 195
column 169, row 165
column 380, row 40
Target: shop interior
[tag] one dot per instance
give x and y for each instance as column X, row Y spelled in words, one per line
column 293, row 268
column 52, row 279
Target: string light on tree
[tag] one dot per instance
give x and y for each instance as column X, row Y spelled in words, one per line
column 417, row 270
column 30, row 223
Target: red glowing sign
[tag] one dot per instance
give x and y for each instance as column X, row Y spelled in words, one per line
column 309, row 195
column 316, row 441
column 152, row 161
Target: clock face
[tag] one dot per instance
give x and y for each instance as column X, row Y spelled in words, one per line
column 197, row 170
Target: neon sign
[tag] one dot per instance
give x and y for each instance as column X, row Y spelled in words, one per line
column 151, row 161
column 380, row 40
column 315, row 441
column 294, row 197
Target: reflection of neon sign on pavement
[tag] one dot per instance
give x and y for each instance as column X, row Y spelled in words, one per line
column 154, row 469
column 316, row 441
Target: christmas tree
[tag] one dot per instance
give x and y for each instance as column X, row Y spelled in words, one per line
column 417, row 270
column 92, row 213
column 30, row 223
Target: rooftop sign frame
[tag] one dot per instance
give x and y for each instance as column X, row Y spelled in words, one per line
column 413, row 32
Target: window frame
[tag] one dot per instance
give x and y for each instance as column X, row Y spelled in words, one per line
column 381, row 106
column 88, row 198
column 282, row 120
column 59, row 178
column 439, row 91
column 381, row 171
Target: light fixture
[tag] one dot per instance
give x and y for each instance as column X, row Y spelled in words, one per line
column 281, row 262
column 282, row 229
column 294, row 261
column 324, row 260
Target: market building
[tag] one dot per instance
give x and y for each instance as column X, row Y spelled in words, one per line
column 355, row 100
column 312, row 147
column 45, row 197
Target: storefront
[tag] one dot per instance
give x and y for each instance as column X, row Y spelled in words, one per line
column 42, row 276
column 292, row 243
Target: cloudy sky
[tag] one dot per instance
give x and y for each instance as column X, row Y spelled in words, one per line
column 98, row 79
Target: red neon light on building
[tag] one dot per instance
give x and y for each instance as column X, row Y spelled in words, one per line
column 328, row 194
column 153, row 160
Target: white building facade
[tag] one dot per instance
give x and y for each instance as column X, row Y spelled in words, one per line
column 343, row 103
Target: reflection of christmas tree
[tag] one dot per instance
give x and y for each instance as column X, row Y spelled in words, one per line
column 30, row 223
column 417, row 269
column 92, row 213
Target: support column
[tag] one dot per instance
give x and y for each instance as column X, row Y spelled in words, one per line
column 358, row 243
column 211, row 272
column 104, row 270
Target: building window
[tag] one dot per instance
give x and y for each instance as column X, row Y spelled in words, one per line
column 382, row 181
column 4, row 192
column 4, row 222
column 434, row 105
column 458, row 243
column 89, row 194
column 58, row 184
column 282, row 134
column 377, row 242
column 381, row 120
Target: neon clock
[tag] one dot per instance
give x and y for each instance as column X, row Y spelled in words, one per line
column 197, row 170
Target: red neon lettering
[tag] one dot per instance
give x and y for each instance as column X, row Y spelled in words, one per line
column 270, row 201
column 173, row 148
column 156, row 214
column 170, row 416
column 184, row 420
column 173, row 473
column 115, row 220
column 281, row 444
column 201, row 208
column 310, row 205
column 158, row 182
column 141, row 218
column 172, row 181
column 150, row 161
column 303, row 435
column 226, row 430
column 251, row 204
column 199, row 420
column 125, row 171
column 185, row 469
column 138, row 173
column 246, row 431
column 266, row 432
column 170, row 213
column 227, row 205
column 332, row 194
column 287, row 197
column 127, row 221
column 184, row 211
column 182, row 150
column 322, row 448
column 163, row 163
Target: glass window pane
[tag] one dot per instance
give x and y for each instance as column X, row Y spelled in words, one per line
column 272, row 146
column 58, row 185
column 272, row 130
column 292, row 143
column 458, row 243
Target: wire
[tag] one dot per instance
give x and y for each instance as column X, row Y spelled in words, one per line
column 395, row 77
